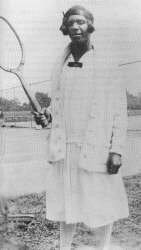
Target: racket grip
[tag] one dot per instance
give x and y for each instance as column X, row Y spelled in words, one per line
column 48, row 120
column 44, row 125
column 42, row 119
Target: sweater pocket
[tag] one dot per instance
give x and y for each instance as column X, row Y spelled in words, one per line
column 94, row 158
column 56, row 149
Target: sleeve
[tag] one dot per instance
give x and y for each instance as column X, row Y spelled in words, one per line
column 119, row 128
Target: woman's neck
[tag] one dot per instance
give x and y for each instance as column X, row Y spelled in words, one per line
column 78, row 49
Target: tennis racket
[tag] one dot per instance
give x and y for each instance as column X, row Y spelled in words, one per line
column 12, row 58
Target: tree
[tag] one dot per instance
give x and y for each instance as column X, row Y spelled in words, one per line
column 134, row 102
column 43, row 99
column 15, row 105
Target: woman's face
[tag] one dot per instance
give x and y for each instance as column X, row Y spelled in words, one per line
column 78, row 29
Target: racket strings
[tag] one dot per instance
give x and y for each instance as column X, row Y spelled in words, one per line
column 10, row 49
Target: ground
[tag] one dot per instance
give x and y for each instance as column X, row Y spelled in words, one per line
column 41, row 234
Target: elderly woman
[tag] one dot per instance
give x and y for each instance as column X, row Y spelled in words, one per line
column 87, row 136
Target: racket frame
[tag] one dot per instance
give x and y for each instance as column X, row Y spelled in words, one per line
column 18, row 70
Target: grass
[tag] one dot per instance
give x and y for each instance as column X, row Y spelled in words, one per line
column 42, row 234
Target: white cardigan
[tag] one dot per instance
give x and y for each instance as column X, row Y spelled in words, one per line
column 107, row 122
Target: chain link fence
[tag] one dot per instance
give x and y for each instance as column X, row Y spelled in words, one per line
column 15, row 105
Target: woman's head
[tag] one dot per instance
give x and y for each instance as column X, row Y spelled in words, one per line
column 78, row 23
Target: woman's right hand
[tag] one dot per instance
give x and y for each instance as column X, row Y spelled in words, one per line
column 42, row 118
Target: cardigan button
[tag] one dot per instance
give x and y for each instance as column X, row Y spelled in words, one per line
column 57, row 126
column 90, row 130
column 58, row 88
column 53, row 157
column 59, row 137
column 57, row 98
column 92, row 117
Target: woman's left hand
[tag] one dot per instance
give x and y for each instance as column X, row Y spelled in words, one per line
column 114, row 163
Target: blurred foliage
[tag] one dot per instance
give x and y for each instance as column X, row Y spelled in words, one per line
column 133, row 101
column 43, row 99
column 16, row 105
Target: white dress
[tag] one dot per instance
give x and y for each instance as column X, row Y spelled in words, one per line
column 73, row 194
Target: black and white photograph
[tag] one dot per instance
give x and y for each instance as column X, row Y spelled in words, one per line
column 70, row 125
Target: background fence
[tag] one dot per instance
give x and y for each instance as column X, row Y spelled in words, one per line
column 15, row 104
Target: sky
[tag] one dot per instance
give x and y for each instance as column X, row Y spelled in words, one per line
column 117, row 22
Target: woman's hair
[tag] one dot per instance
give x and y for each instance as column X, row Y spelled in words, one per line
column 77, row 10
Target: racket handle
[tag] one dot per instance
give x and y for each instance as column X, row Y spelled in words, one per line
column 33, row 101
column 43, row 125
column 42, row 118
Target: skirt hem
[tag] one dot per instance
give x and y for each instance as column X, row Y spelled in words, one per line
column 91, row 225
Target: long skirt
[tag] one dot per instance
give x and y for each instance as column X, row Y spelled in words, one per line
column 76, row 195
